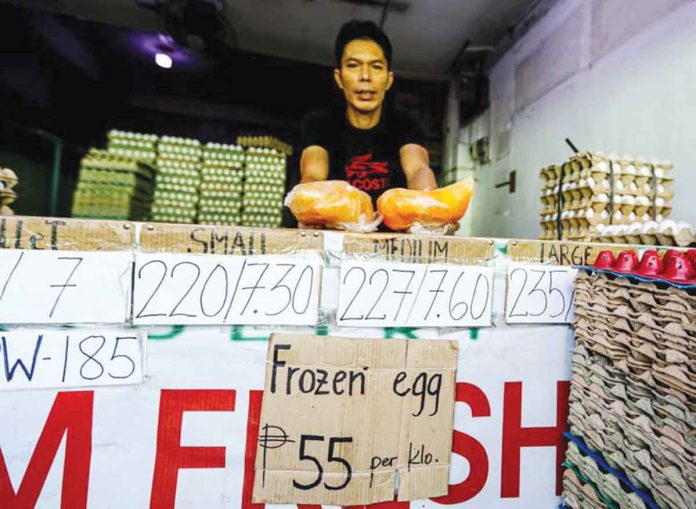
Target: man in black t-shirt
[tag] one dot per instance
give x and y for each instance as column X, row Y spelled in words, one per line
column 369, row 145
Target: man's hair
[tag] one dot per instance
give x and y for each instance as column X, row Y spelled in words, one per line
column 366, row 30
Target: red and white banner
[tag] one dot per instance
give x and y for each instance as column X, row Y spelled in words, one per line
column 186, row 437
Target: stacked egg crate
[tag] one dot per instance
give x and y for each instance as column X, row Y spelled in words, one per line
column 113, row 186
column 596, row 191
column 265, row 142
column 264, row 187
column 139, row 146
column 221, row 185
column 633, row 396
column 178, row 180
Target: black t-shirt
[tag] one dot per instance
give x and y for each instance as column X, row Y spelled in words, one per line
column 368, row 159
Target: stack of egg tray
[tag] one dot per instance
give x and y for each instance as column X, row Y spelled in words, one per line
column 142, row 147
column 178, row 180
column 632, row 407
column 265, row 142
column 221, row 185
column 583, row 195
column 111, row 186
column 264, row 187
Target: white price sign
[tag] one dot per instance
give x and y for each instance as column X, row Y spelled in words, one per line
column 46, row 286
column 174, row 288
column 54, row 358
column 387, row 294
column 540, row 294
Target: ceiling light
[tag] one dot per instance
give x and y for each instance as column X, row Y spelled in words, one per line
column 163, row 60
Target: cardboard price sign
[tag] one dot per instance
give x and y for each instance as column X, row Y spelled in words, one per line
column 390, row 294
column 540, row 294
column 46, row 286
column 36, row 359
column 216, row 289
column 341, row 417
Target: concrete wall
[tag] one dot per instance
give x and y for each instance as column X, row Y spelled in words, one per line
column 612, row 75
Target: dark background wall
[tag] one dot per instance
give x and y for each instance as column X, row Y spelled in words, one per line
column 77, row 79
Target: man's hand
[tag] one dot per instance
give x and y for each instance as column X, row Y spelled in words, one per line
column 416, row 165
column 314, row 164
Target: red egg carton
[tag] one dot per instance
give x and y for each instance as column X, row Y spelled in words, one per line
column 676, row 267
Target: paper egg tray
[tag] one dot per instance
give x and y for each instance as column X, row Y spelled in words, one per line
column 647, row 452
column 173, row 214
column 112, row 206
column 633, row 387
column 229, row 177
column 96, row 177
column 222, row 185
column 646, row 469
column 167, row 142
column 261, row 221
column 140, row 155
column 221, row 170
column 7, row 197
column 178, row 180
column 97, row 159
column 264, row 188
column 219, row 220
column 8, row 180
column 586, row 189
column 139, row 146
column 178, row 149
column 231, row 202
column 664, row 233
column 232, row 187
column 113, row 186
column 167, row 180
column 228, row 210
column 174, row 211
column 265, row 143
column 605, row 489
column 138, row 139
column 223, row 155
column 179, row 168
column 164, row 158
column 163, row 195
column 114, row 194
column 581, row 493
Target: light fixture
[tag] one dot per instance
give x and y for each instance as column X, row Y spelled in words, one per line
column 163, row 60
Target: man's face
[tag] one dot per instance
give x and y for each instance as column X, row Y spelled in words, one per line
column 364, row 76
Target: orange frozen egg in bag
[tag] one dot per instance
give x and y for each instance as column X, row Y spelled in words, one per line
column 404, row 208
column 334, row 204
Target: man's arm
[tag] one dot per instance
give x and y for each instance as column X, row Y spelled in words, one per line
column 314, row 164
column 416, row 165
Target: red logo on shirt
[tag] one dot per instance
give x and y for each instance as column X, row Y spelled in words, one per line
column 362, row 172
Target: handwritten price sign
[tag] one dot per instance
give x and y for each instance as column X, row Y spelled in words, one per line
column 386, row 294
column 213, row 290
column 540, row 294
column 342, row 417
column 68, row 358
column 46, row 286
